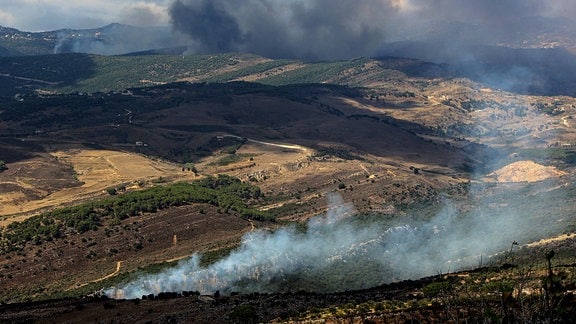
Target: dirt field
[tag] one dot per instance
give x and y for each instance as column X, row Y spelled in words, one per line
column 88, row 173
column 526, row 171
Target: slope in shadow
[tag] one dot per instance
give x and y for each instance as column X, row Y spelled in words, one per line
column 24, row 74
column 535, row 71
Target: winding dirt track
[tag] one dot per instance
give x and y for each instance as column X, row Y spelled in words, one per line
column 118, row 266
column 286, row 146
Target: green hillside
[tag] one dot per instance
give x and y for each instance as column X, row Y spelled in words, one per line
column 67, row 73
column 14, row 42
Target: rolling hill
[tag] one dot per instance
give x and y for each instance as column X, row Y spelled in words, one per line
column 92, row 73
column 524, row 71
column 112, row 39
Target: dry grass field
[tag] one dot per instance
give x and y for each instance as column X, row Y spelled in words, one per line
column 88, row 173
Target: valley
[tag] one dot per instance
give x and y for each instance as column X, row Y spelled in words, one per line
column 427, row 168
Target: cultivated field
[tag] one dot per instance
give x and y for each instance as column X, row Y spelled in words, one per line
column 88, row 173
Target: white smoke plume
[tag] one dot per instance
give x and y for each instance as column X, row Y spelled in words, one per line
column 337, row 252
column 115, row 39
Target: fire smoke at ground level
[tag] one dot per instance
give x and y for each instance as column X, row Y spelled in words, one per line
column 337, row 252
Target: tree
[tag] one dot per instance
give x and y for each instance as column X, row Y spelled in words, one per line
column 190, row 167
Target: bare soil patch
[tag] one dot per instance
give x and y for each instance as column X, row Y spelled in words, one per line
column 73, row 175
column 526, row 171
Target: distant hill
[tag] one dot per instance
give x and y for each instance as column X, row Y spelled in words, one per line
column 527, row 71
column 518, row 32
column 66, row 73
column 529, row 55
column 112, row 39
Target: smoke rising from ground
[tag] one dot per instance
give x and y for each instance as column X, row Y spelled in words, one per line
column 338, row 252
column 115, row 39
column 42, row 15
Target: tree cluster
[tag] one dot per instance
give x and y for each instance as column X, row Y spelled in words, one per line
column 225, row 192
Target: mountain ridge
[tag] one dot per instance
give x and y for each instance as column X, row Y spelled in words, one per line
column 112, row 39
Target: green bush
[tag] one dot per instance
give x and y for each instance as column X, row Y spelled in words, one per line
column 244, row 314
column 436, row 288
column 223, row 191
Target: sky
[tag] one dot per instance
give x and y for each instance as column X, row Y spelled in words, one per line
column 42, row 15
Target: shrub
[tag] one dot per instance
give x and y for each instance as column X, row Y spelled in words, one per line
column 224, row 192
column 244, row 314
column 436, row 288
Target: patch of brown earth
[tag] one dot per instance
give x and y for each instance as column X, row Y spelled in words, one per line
column 95, row 171
column 525, row 171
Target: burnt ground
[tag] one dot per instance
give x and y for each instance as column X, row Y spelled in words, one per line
column 404, row 302
column 210, row 309
column 165, row 236
column 472, row 296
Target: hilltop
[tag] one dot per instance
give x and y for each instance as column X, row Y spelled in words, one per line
column 70, row 73
column 112, row 39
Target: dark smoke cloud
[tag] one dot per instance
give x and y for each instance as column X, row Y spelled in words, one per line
column 308, row 29
column 328, row 29
column 215, row 29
